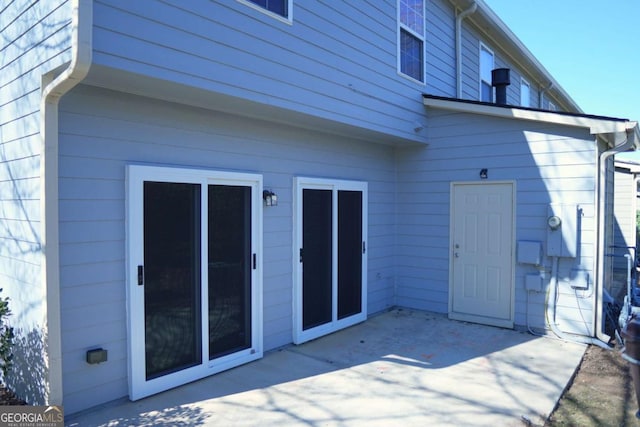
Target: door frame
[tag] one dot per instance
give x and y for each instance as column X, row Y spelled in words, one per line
column 508, row 323
column 136, row 175
column 335, row 185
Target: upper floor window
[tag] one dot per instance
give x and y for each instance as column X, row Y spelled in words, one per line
column 525, row 93
column 486, row 65
column 278, row 7
column 411, row 38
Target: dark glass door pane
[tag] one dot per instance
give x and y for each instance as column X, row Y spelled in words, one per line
column 349, row 253
column 172, row 277
column 317, row 265
column 229, row 269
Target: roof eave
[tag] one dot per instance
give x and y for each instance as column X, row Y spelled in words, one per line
column 597, row 125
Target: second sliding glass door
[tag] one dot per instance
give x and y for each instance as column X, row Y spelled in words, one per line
column 330, row 290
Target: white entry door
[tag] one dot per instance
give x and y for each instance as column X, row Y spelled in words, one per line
column 482, row 283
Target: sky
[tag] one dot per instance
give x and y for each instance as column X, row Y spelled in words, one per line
column 590, row 47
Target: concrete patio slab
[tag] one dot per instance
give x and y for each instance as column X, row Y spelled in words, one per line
column 401, row 368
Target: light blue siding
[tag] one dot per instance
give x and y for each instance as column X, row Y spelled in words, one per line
column 624, row 227
column 470, row 63
column 609, row 224
column 35, row 40
column 335, row 61
column 549, row 164
column 102, row 131
column 471, row 39
column 440, row 48
column 621, row 229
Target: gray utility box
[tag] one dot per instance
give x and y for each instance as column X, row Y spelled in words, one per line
column 562, row 230
column 529, row 252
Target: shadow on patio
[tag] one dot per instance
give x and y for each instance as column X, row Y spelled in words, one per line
column 403, row 367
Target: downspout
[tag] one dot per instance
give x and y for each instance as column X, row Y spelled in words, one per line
column 625, row 145
column 54, row 89
column 542, row 92
column 459, row 19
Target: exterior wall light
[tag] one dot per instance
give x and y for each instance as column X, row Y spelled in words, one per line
column 97, row 355
column 270, row 198
column 484, row 173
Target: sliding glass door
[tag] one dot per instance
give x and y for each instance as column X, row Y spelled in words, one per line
column 330, row 288
column 194, row 284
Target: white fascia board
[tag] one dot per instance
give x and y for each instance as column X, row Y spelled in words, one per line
column 631, row 166
column 595, row 125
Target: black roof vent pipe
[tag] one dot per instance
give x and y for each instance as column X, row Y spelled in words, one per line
column 500, row 79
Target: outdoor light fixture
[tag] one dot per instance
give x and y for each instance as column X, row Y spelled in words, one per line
column 97, row 355
column 270, row 198
column 484, row 173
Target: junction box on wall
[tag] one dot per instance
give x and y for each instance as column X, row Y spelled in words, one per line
column 530, row 252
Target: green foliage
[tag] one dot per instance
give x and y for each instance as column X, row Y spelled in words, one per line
column 6, row 337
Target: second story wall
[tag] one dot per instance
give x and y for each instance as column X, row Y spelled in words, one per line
column 472, row 40
column 333, row 60
column 440, row 48
column 440, row 53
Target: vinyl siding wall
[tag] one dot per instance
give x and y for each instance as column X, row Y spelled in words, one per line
column 34, row 39
column 550, row 164
column 609, row 221
column 336, row 60
column 471, row 39
column 440, row 48
column 102, row 131
column 624, row 227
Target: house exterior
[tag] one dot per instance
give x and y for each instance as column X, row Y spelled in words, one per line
column 142, row 147
column 625, row 230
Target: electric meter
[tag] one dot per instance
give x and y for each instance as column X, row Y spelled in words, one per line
column 554, row 222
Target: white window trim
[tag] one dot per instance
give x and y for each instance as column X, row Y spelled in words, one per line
column 300, row 183
column 525, row 82
column 482, row 47
column 287, row 20
column 422, row 37
column 136, row 175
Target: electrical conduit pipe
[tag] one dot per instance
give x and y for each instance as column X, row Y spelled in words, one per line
column 551, row 311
